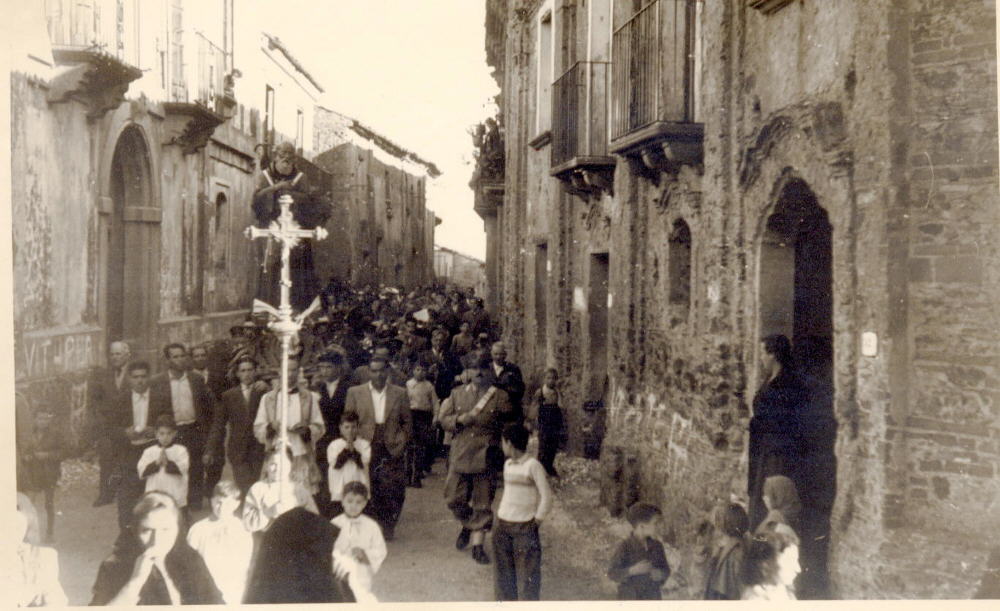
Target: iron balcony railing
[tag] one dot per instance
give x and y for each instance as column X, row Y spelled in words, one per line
column 579, row 113
column 655, row 66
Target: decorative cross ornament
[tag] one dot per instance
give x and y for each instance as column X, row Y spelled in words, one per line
column 288, row 233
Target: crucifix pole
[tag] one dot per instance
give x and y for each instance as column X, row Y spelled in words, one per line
column 286, row 231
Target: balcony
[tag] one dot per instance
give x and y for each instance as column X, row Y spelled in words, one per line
column 488, row 178
column 210, row 79
column 190, row 123
column 580, row 129
column 88, row 39
column 654, row 97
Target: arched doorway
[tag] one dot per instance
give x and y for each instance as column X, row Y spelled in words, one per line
column 796, row 300
column 132, row 287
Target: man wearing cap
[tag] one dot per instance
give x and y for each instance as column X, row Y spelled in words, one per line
column 475, row 415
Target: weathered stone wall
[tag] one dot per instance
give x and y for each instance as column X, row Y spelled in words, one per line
column 61, row 200
column 887, row 111
column 388, row 216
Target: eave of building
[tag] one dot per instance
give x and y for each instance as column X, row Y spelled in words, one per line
column 361, row 135
column 273, row 42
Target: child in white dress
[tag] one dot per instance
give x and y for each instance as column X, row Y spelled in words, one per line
column 360, row 539
column 164, row 466
column 224, row 544
column 348, row 458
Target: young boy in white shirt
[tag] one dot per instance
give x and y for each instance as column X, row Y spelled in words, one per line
column 525, row 502
column 164, row 466
column 360, row 538
column 349, row 458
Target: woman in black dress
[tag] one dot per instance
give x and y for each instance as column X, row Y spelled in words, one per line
column 775, row 432
column 152, row 565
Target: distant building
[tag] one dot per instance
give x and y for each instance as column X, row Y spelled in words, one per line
column 383, row 188
column 453, row 267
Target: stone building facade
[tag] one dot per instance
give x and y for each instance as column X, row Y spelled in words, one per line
column 383, row 189
column 135, row 133
column 683, row 178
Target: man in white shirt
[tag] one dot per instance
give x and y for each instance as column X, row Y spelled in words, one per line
column 384, row 421
column 191, row 406
column 134, row 434
column 305, row 420
column 232, row 426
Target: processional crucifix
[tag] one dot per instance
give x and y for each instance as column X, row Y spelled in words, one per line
column 287, row 232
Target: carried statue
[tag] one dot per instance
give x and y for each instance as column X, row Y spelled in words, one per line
column 311, row 209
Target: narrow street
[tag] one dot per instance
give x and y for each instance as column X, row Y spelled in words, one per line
column 422, row 565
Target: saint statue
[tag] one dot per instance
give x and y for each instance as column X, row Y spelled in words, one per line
column 311, row 209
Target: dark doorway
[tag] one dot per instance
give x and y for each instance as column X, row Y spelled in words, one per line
column 597, row 313
column 541, row 298
column 132, row 295
column 796, row 300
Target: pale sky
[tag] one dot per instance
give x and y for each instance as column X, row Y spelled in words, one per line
column 414, row 71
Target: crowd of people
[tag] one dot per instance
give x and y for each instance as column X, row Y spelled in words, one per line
column 381, row 386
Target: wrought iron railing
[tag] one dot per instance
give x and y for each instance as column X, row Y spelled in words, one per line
column 579, row 113
column 655, row 66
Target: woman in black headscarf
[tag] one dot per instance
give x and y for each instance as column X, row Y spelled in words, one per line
column 152, row 565
column 775, row 432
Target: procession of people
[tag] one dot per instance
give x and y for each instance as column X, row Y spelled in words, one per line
column 304, row 428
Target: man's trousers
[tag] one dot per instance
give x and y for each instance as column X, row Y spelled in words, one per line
column 470, row 498
column 517, row 552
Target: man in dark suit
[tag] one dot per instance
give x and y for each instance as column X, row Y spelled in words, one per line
column 215, row 380
column 103, row 388
column 331, row 382
column 444, row 365
column 384, row 421
column 130, row 426
column 507, row 376
column 237, row 408
column 478, row 319
column 475, row 416
column 214, row 373
column 191, row 406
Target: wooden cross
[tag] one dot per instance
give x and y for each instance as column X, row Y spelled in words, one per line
column 288, row 233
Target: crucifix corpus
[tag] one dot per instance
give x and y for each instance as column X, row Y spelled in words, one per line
column 287, row 233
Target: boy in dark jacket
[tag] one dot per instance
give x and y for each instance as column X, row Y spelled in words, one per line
column 639, row 565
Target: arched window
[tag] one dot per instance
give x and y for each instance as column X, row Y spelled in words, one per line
column 680, row 267
column 220, row 233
